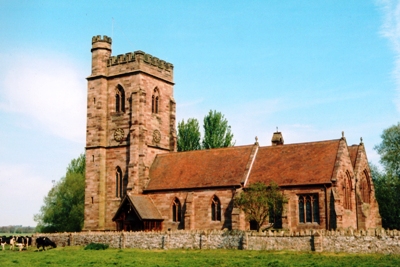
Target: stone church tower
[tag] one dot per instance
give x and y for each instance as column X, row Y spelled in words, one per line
column 130, row 119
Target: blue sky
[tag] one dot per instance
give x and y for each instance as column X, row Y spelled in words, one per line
column 311, row 68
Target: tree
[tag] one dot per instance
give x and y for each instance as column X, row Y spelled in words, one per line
column 63, row 209
column 387, row 193
column 260, row 202
column 387, row 182
column 217, row 132
column 188, row 135
column 389, row 149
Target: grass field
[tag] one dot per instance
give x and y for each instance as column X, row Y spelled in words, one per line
column 77, row 256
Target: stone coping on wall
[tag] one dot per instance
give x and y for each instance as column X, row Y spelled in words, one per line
column 350, row 241
column 379, row 232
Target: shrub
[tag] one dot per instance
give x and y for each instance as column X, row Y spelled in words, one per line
column 96, row 246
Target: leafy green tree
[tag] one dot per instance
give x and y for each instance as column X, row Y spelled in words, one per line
column 260, row 202
column 387, row 182
column 389, row 150
column 188, row 135
column 387, row 193
column 63, row 209
column 217, row 132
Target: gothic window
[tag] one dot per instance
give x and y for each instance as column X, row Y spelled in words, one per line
column 215, row 209
column 365, row 187
column 119, row 99
column 347, row 191
column 155, row 101
column 301, row 209
column 308, row 208
column 118, row 182
column 176, row 210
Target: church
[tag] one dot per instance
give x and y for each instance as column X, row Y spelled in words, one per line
column 136, row 181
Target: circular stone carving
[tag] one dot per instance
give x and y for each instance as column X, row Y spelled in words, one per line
column 118, row 134
column 156, row 136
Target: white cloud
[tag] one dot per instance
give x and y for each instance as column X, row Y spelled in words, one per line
column 22, row 194
column 391, row 30
column 48, row 89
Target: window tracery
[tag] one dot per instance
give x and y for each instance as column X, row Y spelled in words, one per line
column 308, row 208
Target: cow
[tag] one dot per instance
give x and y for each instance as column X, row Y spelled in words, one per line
column 7, row 241
column 28, row 240
column 44, row 242
column 22, row 242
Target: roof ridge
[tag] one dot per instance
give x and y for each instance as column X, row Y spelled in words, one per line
column 304, row 143
column 210, row 149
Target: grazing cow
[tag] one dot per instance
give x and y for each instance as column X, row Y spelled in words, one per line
column 21, row 242
column 44, row 242
column 28, row 240
column 7, row 241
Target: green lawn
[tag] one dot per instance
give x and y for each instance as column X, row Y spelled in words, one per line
column 77, row 256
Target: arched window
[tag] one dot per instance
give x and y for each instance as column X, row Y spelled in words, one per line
column 215, row 209
column 365, row 187
column 119, row 99
column 155, row 99
column 301, row 209
column 308, row 208
column 176, row 210
column 347, row 191
column 118, row 182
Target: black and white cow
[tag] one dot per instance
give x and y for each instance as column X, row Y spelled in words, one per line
column 44, row 242
column 4, row 240
column 22, row 242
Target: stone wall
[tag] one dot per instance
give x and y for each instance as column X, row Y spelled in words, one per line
column 371, row 241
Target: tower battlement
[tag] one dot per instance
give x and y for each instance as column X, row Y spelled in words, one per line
column 99, row 38
column 139, row 56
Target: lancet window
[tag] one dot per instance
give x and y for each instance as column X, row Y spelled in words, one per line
column 347, row 191
column 118, row 182
column 176, row 210
column 155, row 101
column 215, row 209
column 119, row 99
column 365, row 187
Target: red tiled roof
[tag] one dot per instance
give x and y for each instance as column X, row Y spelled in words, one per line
column 292, row 164
column 145, row 207
column 295, row 164
column 199, row 169
column 353, row 154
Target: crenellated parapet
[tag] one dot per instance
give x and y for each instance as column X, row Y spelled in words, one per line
column 139, row 56
column 99, row 38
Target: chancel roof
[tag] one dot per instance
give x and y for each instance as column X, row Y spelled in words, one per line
column 295, row 164
column 291, row 164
